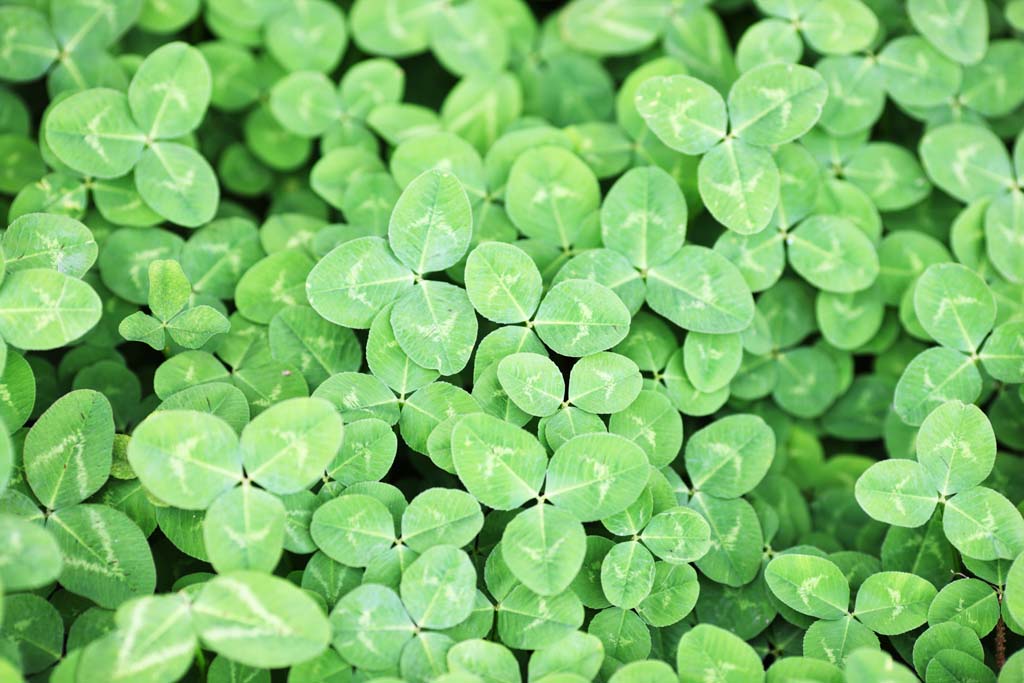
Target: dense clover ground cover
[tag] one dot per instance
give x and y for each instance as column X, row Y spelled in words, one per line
column 485, row 341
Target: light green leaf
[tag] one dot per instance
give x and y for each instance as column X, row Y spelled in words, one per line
column 730, row 456
column 373, row 643
column 701, row 291
column 739, row 184
column 244, row 529
column 678, row 535
column 43, row 309
column 685, row 113
column 502, row 465
column 185, row 458
column 106, row 556
column 178, row 183
column 94, row 133
column 44, row 240
column 809, row 584
column 438, row 587
column 29, row 556
column 890, row 603
column 643, row 216
column 956, row 446
column 436, row 326
column 550, row 195
column 67, row 454
column 983, row 525
column 533, row 382
column 259, row 620
column 596, row 475
column 957, row 29
column 604, row 382
column 544, row 548
column 580, row 317
column 776, row 103
column 353, row 528
column 432, row 223
column 502, row 282
column 954, row 305
column 707, row 648
column 288, row 446
column 353, row 282
column 154, row 641
column 832, row 254
column 170, row 91
column 898, row 492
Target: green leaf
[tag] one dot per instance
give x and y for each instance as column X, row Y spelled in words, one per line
column 956, row 446
column 28, row 47
column 580, row 317
column 502, row 282
column 106, row 556
column 627, row 574
column 701, row 291
column 544, row 548
column 839, row 26
column 966, row 160
column 596, row 475
column 604, row 383
column 897, row 492
column 983, row 525
column 67, row 454
column 891, row 603
column 776, row 103
column 916, row 74
column 42, row 240
column 550, row 194
column 43, row 309
column 441, row 516
column 677, row 535
column 809, row 584
column 93, row 132
column 431, row 224
column 352, row 528
column 244, row 529
column 959, row 30
column 739, row 184
column 832, row 254
column 954, row 305
column 259, row 620
column 1002, row 355
column 436, row 326
column 437, row 588
column 729, row 457
column 374, row 643
column 288, row 446
column 533, row 382
column 30, row 557
column 169, row 288
column 707, row 648
column 195, row 326
column 178, row 183
column 185, row 458
column 503, row 466
column 170, row 91
column 144, row 328
column 933, row 377
column 970, row 602
column 643, row 216
column 354, row 281
column 684, row 112
column 154, row 641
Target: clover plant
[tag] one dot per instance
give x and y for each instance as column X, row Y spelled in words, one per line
column 501, row 341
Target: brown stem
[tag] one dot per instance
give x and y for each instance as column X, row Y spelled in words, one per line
column 1000, row 644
